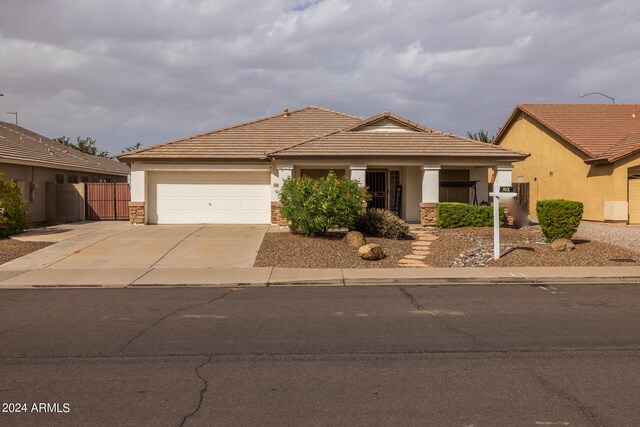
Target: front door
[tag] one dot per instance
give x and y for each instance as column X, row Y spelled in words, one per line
column 377, row 185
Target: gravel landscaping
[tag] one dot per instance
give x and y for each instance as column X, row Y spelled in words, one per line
column 619, row 235
column 297, row 251
column 596, row 245
column 11, row 249
column 473, row 247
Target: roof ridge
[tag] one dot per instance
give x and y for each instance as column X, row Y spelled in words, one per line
column 235, row 126
column 297, row 144
column 390, row 114
column 613, row 148
column 89, row 161
column 50, row 143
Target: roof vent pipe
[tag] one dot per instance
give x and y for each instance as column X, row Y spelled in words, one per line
column 286, row 112
column 633, row 112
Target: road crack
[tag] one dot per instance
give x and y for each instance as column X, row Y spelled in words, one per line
column 440, row 320
column 139, row 334
column 203, row 390
column 582, row 407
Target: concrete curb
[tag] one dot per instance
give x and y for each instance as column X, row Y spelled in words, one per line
column 281, row 277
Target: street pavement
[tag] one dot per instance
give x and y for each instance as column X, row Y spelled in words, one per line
column 404, row 355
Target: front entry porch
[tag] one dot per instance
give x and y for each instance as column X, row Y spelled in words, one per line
column 411, row 191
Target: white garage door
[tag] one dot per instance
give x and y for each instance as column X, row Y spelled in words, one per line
column 209, row 198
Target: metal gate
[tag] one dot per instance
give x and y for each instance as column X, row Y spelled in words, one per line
column 377, row 185
column 107, row 201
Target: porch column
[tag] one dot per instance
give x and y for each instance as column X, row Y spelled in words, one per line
column 430, row 194
column 137, row 211
column 359, row 173
column 278, row 176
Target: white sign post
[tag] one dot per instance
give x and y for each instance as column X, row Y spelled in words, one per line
column 505, row 193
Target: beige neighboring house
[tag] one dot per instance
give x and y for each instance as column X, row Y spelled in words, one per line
column 232, row 175
column 32, row 161
column 584, row 152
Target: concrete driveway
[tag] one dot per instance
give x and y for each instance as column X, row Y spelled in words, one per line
column 119, row 245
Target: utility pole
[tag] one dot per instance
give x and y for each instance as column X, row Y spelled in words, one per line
column 15, row 113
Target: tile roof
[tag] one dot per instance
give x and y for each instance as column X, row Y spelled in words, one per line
column 250, row 140
column 604, row 132
column 423, row 142
column 20, row 144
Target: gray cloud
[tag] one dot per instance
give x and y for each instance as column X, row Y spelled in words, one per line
column 149, row 71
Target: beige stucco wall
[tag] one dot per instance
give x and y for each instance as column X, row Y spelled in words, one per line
column 557, row 170
column 411, row 178
column 40, row 176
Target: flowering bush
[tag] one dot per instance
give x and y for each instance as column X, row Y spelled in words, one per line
column 313, row 206
column 13, row 209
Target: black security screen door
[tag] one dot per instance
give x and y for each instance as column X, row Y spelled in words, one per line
column 377, row 185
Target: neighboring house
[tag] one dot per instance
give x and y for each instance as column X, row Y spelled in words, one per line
column 232, row 175
column 32, row 160
column 584, row 152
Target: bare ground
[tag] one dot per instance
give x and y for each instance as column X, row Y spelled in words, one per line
column 11, row 249
column 297, row 251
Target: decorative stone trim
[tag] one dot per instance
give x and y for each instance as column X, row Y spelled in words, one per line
column 276, row 217
column 428, row 214
column 136, row 212
column 508, row 218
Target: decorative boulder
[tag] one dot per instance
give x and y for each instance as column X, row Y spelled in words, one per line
column 562, row 245
column 355, row 239
column 371, row 252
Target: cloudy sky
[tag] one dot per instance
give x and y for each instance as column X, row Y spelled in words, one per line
column 127, row 71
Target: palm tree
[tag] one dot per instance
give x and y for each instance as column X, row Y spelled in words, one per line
column 134, row 147
column 482, row 136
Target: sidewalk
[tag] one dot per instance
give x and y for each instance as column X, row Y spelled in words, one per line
column 268, row 276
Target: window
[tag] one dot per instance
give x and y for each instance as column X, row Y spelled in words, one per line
column 104, row 180
column 84, row 179
column 59, row 178
column 72, row 179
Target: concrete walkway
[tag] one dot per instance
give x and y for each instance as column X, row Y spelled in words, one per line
column 268, row 276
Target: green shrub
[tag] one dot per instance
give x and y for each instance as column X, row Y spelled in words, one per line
column 382, row 223
column 455, row 215
column 313, row 206
column 13, row 209
column 559, row 219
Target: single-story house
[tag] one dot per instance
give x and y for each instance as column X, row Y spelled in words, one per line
column 32, row 160
column 232, row 175
column 584, row 152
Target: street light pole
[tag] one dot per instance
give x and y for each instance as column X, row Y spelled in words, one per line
column 613, row 100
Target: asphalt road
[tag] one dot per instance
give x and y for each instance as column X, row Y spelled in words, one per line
column 454, row 355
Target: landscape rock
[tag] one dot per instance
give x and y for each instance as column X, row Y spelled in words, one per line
column 371, row 252
column 562, row 245
column 355, row 239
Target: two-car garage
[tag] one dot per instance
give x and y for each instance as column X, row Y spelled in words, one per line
column 209, row 197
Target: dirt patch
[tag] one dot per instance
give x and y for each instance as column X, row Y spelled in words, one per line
column 473, row 247
column 296, row 251
column 11, row 249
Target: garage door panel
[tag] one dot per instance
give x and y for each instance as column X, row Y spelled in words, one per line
column 209, row 198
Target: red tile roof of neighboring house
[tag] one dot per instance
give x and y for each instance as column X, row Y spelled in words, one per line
column 603, row 132
column 22, row 145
